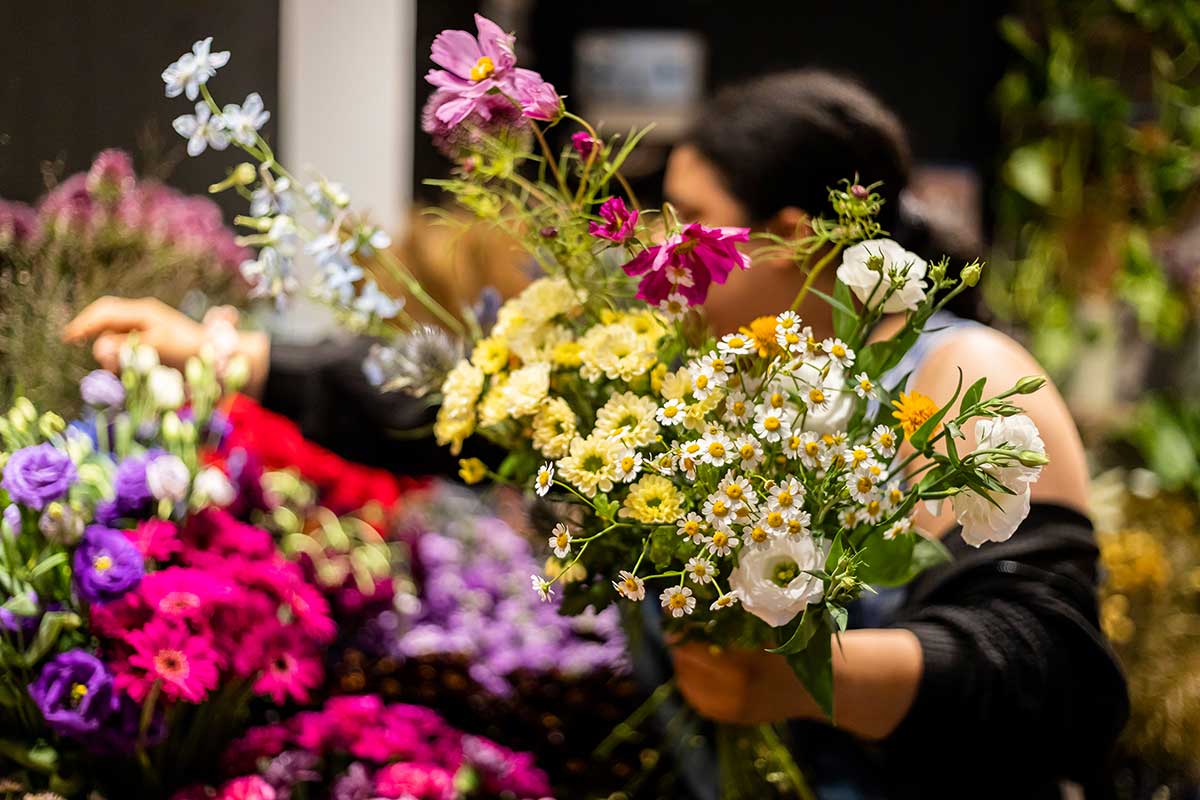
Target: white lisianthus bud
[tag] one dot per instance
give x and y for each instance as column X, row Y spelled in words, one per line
column 194, row 370
column 60, row 524
column 139, row 359
column 871, row 268
column 774, row 583
column 983, row 520
column 168, row 478
column 237, row 373
column 213, row 488
column 172, row 428
column 165, row 385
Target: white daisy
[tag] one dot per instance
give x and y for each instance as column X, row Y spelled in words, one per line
column 757, row 536
column 542, row 587
column 862, row 487
column 719, row 364
column 787, row 497
column 797, row 524
column 774, row 522
column 736, row 344
column 544, row 479
column 629, row 465
column 674, row 307
column 787, row 321
column 737, row 490
column 749, row 451
column 716, row 448
column 721, row 542
column 893, row 496
column 838, row 352
column 817, row 398
column 737, row 409
column 630, row 586
column 902, row 525
column 863, row 385
column 719, row 511
column 671, row 413
column 692, row 527
column 678, row 600
column 884, row 440
column 810, row 450
column 872, row 511
column 679, row 275
column 793, row 446
column 700, row 570
column 724, row 601
column 560, row 540
column 848, row 518
column 772, row 424
column 790, row 339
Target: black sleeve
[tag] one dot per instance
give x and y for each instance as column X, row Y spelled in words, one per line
column 323, row 389
column 1019, row 683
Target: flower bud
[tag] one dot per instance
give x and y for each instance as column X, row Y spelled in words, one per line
column 93, row 475
column 241, row 175
column 168, row 478
column 165, row 385
column 1032, row 458
column 859, row 191
column 213, row 488
column 875, row 263
column 25, row 409
column 1030, row 384
column 260, row 224
column 60, row 524
column 138, row 358
column 237, row 373
column 937, row 271
column 471, row 470
column 971, row 273
column 548, row 232
column 51, row 424
column 172, row 428
column 194, row 371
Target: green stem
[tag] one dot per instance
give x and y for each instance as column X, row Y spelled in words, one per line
column 813, row 273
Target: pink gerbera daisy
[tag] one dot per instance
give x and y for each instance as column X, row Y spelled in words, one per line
column 688, row 262
column 183, row 663
column 288, row 664
column 155, row 538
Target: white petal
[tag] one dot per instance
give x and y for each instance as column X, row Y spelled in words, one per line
column 196, row 144
column 185, row 125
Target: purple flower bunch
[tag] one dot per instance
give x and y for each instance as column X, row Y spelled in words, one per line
column 390, row 751
column 474, row 601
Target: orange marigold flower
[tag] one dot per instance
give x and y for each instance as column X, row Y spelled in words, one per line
column 763, row 331
column 912, row 410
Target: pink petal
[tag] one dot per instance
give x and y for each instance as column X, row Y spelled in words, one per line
column 457, row 51
column 495, row 43
column 642, row 262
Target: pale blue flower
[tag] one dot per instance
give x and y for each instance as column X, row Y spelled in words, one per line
column 337, row 282
column 374, row 302
column 193, row 69
column 243, row 122
column 274, row 199
column 202, row 130
column 269, row 275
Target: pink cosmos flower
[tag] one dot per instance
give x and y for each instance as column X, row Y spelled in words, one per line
column 537, row 97
column 415, row 782
column 689, row 262
column 184, row 663
column 288, row 664
column 155, row 538
column 584, row 144
column 473, row 66
column 619, row 222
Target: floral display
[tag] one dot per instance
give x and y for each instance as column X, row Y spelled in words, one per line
column 750, row 485
column 101, row 232
column 356, row 747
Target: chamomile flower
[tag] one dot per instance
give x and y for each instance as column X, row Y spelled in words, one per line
column 544, row 479
column 817, row 398
column 786, row 497
column 863, row 385
column 838, row 352
column 810, row 346
column 874, row 469
column 787, row 321
column 692, row 527
column 756, row 536
column 629, row 465
column 630, row 586
column 810, row 450
column 674, row 307
column 790, row 340
column 678, row 600
column 797, row 524
column 724, row 601
column 686, row 464
column 719, row 511
column 671, row 413
column 721, row 542
column 716, row 448
column 862, row 487
column 738, row 410
column 884, row 440
column 543, row 587
column 793, row 446
column 774, row 522
column 749, row 452
column 776, row 397
column 858, row 455
column 737, row 490
column 736, row 344
column 893, row 496
column 679, row 275
column 772, row 424
column 902, row 525
column 848, row 518
column 700, row 570
column 560, row 540
column 872, row 511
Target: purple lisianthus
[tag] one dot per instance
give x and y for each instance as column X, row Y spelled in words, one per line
column 132, row 490
column 74, row 693
column 102, row 389
column 37, row 475
column 13, row 621
column 106, row 565
column 12, row 516
column 619, row 221
column 584, row 143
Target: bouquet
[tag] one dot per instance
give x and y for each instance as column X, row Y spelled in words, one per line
column 139, row 617
column 753, row 484
column 100, row 232
column 355, row 747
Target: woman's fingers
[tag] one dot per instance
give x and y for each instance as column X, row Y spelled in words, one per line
column 116, row 314
column 107, row 350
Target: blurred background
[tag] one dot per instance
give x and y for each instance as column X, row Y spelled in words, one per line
column 1060, row 138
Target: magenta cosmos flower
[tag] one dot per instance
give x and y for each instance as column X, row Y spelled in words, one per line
column 689, row 262
column 619, row 221
column 473, row 66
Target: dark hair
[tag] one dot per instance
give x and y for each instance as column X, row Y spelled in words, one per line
column 783, row 139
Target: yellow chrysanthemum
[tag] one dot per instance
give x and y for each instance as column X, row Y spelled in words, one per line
column 493, row 408
column 676, row 385
column 653, row 500
column 453, row 429
column 656, row 377
column 913, row 409
column 763, row 331
column 526, row 389
column 629, row 418
column 615, row 352
column 490, row 355
column 554, row 427
column 566, row 354
column 591, row 464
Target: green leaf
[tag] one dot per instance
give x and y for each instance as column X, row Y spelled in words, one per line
column 840, row 617
column 809, row 624
column 897, row 561
column 814, row 667
column 973, row 394
column 836, row 304
column 53, row 625
column 920, row 437
column 663, row 544
column 47, row 565
column 844, row 320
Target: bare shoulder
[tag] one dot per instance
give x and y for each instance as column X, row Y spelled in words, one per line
column 981, row 352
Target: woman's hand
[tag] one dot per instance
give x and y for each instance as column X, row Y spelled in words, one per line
column 110, row 320
column 744, row 687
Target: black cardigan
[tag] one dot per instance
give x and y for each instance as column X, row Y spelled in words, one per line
column 1019, row 690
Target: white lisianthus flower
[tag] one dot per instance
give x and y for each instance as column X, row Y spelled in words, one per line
column 165, row 385
column 167, row 478
column 899, row 268
column 213, row 488
column 772, row 583
column 138, row 358
column 981, row 520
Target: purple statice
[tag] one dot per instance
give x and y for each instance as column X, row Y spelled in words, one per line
column 494, row 115
column 290, row 768
column 110, row 176
column 475, row 603
column 102, row 389
column 75, row 694
column 68, row 207
column 106, row 565
column 12, row 516
column 37, row 475
column 18, row 223
column 355, row 784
